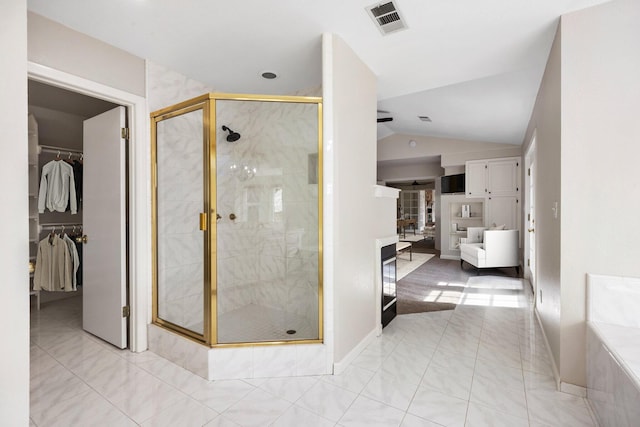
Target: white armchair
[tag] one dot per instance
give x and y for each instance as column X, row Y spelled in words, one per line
column 499, row 248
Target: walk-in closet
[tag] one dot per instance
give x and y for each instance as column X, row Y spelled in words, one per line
column 63, row 185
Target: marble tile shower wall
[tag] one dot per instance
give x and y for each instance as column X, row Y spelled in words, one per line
column 180, row 275
column 268, row 255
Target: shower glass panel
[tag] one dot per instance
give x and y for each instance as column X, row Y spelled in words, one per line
column 237, row 222
column 267, row 235
column 180, row 244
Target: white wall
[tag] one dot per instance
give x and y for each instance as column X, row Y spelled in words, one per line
column 350, row 172
column 600, row 132
column 71, row 59
column 585, row 119
column 64, row 49
column 545, row 121
column 14, row 296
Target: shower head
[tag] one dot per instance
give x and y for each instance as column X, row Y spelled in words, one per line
column 233, row 136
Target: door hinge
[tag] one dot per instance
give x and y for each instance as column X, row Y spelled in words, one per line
column 528, row 263
column 126, row 311
column 528, row 217
column 529, row 171
column 124, row 133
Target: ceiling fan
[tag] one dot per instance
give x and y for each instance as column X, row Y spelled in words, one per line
column 384, row 119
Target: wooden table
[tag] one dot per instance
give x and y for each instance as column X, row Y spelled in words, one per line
column 403, row 223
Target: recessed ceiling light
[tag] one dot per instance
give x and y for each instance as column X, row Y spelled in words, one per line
column 412, row 144
column 425, row 118
column 269, row 75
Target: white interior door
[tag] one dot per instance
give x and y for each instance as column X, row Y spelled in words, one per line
column 531, row 226
column 104, row 270
column 530, row 219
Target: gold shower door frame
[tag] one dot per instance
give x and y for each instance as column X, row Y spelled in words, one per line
column 207, row 219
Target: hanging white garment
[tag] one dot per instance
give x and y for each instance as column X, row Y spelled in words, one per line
column 57, row 187
column 75, row 260
column 53, row 266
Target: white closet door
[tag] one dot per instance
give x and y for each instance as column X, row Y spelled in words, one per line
column 104, row 271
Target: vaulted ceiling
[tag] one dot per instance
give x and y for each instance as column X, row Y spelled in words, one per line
column 473, row 67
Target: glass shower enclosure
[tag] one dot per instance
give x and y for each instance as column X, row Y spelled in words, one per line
column 237, row 219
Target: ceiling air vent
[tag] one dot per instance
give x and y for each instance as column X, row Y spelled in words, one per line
column 387, row 17
column 425, row 118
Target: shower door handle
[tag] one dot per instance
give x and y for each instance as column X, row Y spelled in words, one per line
column 203, row 222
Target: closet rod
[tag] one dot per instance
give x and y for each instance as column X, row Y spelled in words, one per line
column 52, row 226
column 52, row 149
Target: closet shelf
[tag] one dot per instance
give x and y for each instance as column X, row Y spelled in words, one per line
column 55, row 150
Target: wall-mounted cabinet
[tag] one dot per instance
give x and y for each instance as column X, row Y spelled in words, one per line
column 475, row 178
column 498, row 182
column 492, row 177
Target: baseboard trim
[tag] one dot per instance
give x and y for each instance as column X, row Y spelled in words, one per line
column 556, row 372
column 341, row 366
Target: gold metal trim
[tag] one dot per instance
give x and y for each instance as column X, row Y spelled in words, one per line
column 320, row 225
column 176, row 108
column 265, row 98
column 157, row 117
column 154, row 222
column 186, row 333
column 203, row 221
column 211, row 295
column 265, row 343
column 208, row 223
column 208, row 277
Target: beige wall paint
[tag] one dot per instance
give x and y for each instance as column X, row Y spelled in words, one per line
column 585, row 120
column 64, row 49
column 395, row 173
column 600, row 132
column 14, row 298
column 350, row 135
column 396, row 147
column 545, row 121
column 453, row 159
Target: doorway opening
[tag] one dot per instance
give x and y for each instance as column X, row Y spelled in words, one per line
column 78, row 211
column 530, row 212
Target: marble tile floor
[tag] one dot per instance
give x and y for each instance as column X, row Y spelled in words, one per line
column 482, row 364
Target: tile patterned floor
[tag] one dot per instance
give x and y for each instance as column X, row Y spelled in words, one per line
column 483, row 364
